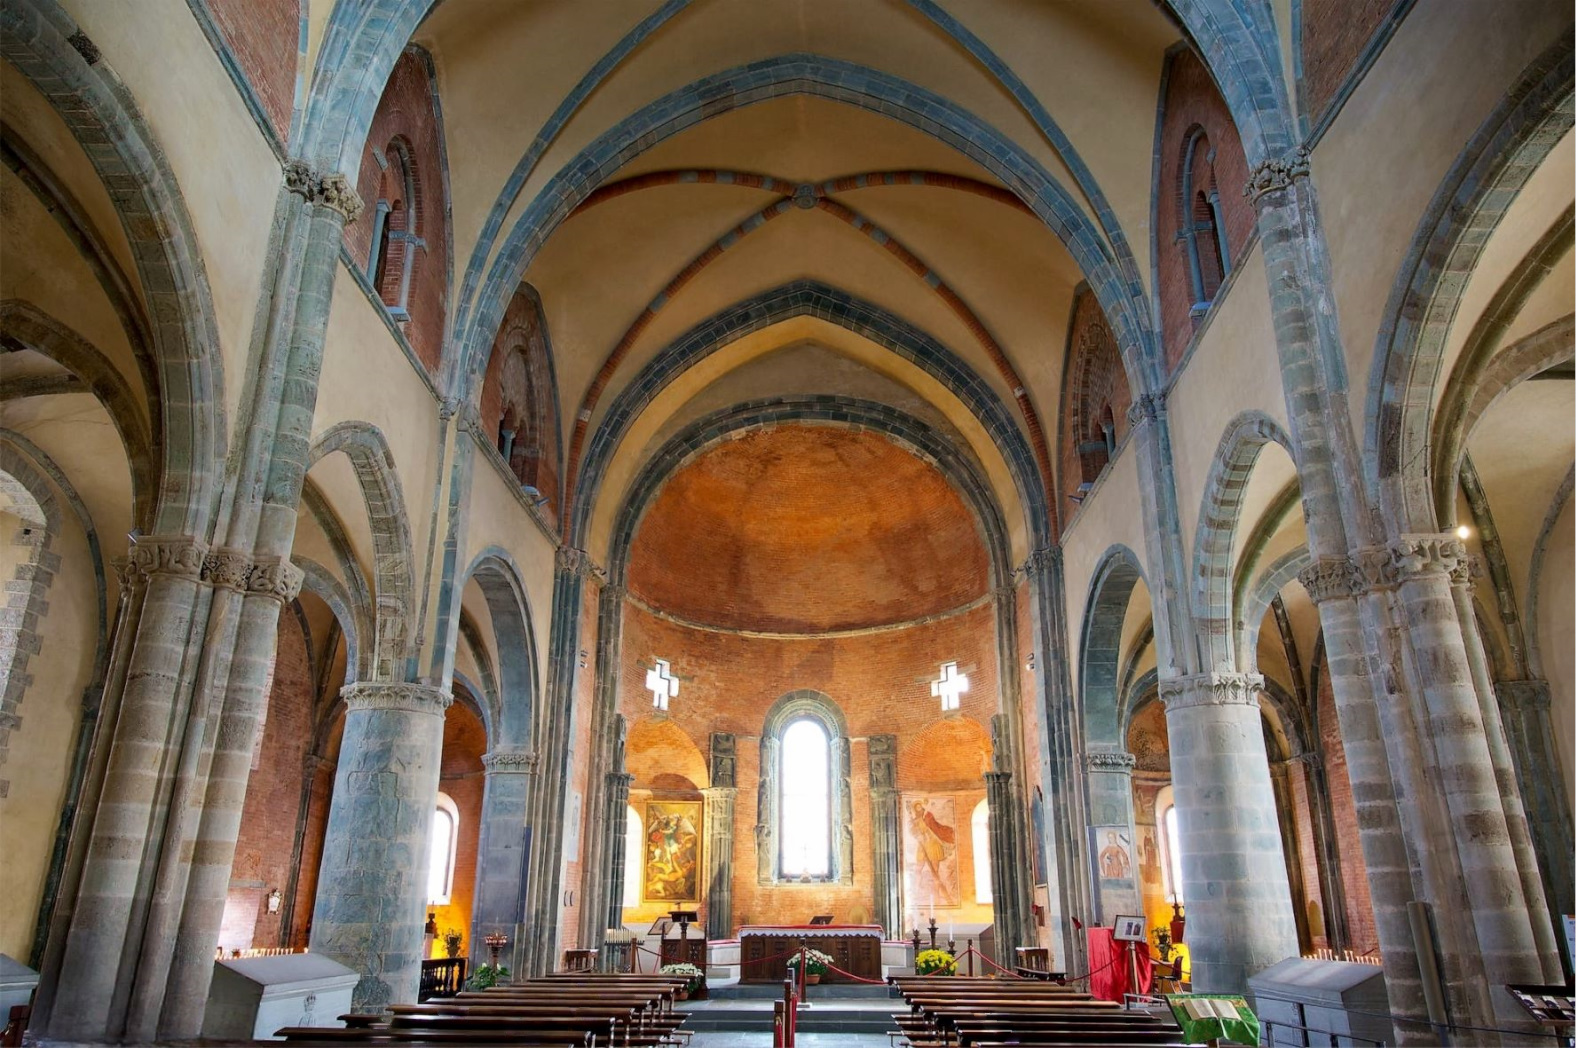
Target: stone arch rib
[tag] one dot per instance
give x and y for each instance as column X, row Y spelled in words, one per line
column 1101, row 641
column 515, row 645
column 394, row 582
column 1503, row 154
column 1235, row 459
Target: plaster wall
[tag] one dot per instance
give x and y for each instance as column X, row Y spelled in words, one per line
column 1555, row 629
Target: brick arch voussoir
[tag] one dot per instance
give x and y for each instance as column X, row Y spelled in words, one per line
column 40, row 39
column 1220, row 508
column 1435, row 274
column 394, row 580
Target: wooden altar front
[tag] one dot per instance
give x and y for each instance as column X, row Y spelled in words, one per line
column 854, row 948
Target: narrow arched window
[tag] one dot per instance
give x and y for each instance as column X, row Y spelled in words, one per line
column 1172, row 870
column 391, row 257
column 981, row 845
column 805, row 815
column 441, row 852
column 633, row 853
column 1200, row 217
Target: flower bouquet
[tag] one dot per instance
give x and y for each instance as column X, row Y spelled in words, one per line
column 685, row 969
column 935, row 961
column 816, row 964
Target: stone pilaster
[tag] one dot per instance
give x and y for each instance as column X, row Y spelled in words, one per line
column 500, row 901
column 1007, row 878
column 719, row 820
column 1526, row 716
column 1235, row 881
column 618, row 801
column 1109, row 778
column 372, row 885
column 767, row 811
column 882, row 758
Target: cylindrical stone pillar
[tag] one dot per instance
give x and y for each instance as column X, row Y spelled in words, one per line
column 1006, row 873
column 1506, row 776
column 499, row 904
column 882, row 753
column 618, row 801
column 1468, row 784
column 1110, row 777
column 372, row 886
column 1235, row 882
column 1526, row 714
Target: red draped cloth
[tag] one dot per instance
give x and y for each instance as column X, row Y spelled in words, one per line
column 1110, row 968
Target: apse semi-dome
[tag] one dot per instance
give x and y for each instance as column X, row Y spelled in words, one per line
column 805, row 529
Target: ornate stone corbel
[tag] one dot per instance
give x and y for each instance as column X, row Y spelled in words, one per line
column 176, row 555
column 1211, row 690
column 127, row 572
column 1040, row 560
column 1329, row 577
column 1426, row 553
column 331, row 191
column 576, row 561
column 276, row 578
column 1109, row 761
column 1468, row 571
column 1277, row 173
column 1374, row 569
column 397, row 695
column 510, row 761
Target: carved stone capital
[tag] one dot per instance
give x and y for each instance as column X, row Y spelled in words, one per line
column 397, row 695
column 1374, row 569
column 1468, row 571
column 1211, row 690
column 127, row 572
column 1277, row 173
column 1417, row 555
column 176, row 555
column 276, row 578
column 1330, row 577
column 1041, row 559
column 1146, row 408
column 1109, row 761
column 575, row 561
column 226, row 569
column 510, row 761
column 331, row 191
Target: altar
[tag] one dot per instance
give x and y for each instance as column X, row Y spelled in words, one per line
column 854, row 948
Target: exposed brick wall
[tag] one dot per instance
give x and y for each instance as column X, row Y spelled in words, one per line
column 1335, row 32
column 1193, row 102
column 1356, row 887
column 517, row 391
column 406, row 115
column 1313, row 903
column 316, row 820
column 266, row 842
column 804, row 528
column 1097, row 391
column 880, row 682
column 264, row 37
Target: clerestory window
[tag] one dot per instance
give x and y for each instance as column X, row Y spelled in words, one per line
column 805, row 816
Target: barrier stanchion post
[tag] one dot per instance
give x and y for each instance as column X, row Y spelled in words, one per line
column 969, row 952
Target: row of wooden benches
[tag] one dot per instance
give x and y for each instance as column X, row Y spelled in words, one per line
column 977, row 1011
column 564, row 1009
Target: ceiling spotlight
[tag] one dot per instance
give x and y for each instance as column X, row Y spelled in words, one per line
column 1462, row 531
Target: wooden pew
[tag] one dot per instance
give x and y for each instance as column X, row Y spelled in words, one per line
column 967, row 1012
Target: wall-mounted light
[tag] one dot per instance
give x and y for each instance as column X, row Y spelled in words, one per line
column 1463, row 532
column 582, row 659
column 273, row 901
column 1030, row 664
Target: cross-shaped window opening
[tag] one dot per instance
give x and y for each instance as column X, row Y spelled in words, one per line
column 662, row 683
column 950, row 685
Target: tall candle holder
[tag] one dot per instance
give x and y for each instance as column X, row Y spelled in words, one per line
column 496, row 942
column 932, row 930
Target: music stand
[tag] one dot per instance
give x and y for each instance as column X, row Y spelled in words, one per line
column 821, row 919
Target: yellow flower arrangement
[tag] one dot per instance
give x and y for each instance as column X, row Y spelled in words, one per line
column 935, row 961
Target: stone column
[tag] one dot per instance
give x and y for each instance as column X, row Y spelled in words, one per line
column 1235, row 883
column 499, row 904
column 92, row 988
column 767, row 811
column 618, row 801
column 1007, row 873
column 1526, row 716
column 1500, row 911
column 1110, row 779
column 844, row 818
column 720, row 839
column 372, row 886
column 1512, row 806
column 887, row 849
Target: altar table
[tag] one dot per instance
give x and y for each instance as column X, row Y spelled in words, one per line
column 854, row 948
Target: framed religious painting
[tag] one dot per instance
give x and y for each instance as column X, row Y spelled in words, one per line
column 671, row 847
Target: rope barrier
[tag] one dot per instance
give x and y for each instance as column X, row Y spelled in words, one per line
column 852, row 976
